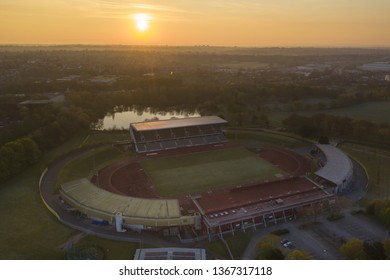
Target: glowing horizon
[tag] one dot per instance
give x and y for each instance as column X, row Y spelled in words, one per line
column 321, row 23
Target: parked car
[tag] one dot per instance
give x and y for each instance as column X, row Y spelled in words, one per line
column 286, row 243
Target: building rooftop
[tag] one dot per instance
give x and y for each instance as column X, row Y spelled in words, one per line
column 92, row 197
column 338, row 166
column 170, row 254
column 177, row 123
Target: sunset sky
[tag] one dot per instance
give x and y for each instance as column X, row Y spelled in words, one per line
column 346, row 23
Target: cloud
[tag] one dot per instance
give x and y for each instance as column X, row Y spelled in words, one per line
column 122, row 9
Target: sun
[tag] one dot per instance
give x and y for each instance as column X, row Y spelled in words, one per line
column 142, row 22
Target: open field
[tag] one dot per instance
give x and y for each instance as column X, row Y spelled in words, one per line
column 199, row 172
column 27, row 229
column 114, row 250
column 257, row 139
column 98, row 137
column 378, row 112
column 237, row 244
column 377, row 164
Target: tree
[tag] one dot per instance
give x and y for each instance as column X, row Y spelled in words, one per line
column 268, row 248
column 374, row 250
column 353, row 249
column 31, row 150
column 299, row 255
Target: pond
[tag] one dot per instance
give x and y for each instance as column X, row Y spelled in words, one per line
column 121, row 119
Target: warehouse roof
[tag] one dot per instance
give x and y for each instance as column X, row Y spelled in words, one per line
column 338, row 166
column 90, row 196
column 177, row 123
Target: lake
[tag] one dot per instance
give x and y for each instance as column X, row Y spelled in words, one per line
column 122, row 120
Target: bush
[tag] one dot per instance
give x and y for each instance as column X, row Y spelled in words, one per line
column 335, row 217
column 280, row 231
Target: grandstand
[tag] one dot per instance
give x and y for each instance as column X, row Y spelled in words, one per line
column 101, row 205
column 161, row 135
column 337, row 169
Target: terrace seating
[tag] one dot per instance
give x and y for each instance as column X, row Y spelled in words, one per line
column 164, row 134
column 222, row 138
column 165, row 137
column 206, row 129
column 137, row 137
column 141, row 148
column 153, row 146
column 217, row 128
column 193, row 131
column 183, row 143
column 179, row 132
column 211, row 139
column 198, row 141
column 149, row 136
column 169, row 144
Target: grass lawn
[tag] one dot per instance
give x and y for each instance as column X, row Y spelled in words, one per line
column 97, row 137
column 202, row 171
column 27, row 229
column 377, row 164
column 114, row 250
column 377, row 112
column 237, row 245
column 85, row 165
column 257, row 139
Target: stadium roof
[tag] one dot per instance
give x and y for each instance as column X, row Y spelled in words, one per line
column 177, row 123
column 92, row 197
column 170, row 254
column 338, row 166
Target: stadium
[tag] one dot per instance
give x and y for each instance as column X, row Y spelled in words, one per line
column 188, row 179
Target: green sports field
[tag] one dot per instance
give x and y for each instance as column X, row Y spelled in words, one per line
column 199, row 172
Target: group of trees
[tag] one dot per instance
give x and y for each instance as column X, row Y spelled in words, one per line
column 356, row 249
column 336, row 126
column 380, row 209
column 268, row 248
column 39, row 130
column 16, row 155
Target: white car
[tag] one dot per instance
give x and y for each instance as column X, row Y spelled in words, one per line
column 286, row 243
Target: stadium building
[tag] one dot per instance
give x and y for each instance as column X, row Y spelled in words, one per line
column 337, row 169
column 247, row 205
column 177, row 133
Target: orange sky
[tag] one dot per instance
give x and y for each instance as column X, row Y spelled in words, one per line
column 189, row 22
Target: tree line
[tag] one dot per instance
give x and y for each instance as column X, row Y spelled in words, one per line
column 47, row 128
column 16, row 155
column 336, row 126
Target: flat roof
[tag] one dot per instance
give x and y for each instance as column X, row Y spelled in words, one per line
column 90, row 196
column 338, row 166
column 170, row 254
column 177, row 123
column 216, row 201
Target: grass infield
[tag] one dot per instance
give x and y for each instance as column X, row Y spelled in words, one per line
column 199, row 172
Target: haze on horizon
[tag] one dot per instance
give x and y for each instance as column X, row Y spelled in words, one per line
column 261, row 23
